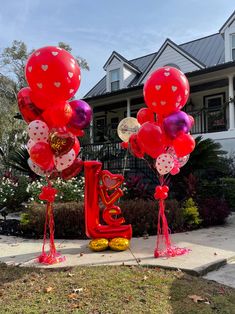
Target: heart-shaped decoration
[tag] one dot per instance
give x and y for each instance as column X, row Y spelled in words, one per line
column 79, row 77
column 111, row 181
column 154, row 103
column 166, row 73
column 57, row 84
column 30, row 68
column 164, row 163
column 39, row 85
column 70, row 74
column 71, row 91
column 158, row 87
column 174, row 88
column 186, row 92
column 163, row 103
column 61, row 142
column 54, row 53
column 37, row 53
column 44, row 67
column 72, row 60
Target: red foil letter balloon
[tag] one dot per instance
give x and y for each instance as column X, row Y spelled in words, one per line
column 102, row 185
column 163, row 139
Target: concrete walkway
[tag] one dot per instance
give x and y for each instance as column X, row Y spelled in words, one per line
column 211, row 248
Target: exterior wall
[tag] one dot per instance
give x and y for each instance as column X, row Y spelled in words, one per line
column 227, row 40
column 170, row 55
column 115, row 62
column 128, row 76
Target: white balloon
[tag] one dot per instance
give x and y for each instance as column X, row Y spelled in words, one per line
column 164, row 163
column 35, row 168
column 183, row 160
column 30, row 144
column 64, row 161
column 127, row 127
column 38, row 131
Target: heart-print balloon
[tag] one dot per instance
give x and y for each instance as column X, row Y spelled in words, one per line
column 30, row 144
column 164, row 163
column 73, row 170
column 61, row 142
column 36, row 169
column 111, row 181
column 65, row 161
column 38, row 131
column 183, row 160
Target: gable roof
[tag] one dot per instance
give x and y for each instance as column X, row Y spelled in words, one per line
column 120, row 57
column 207, row 51
column 228, row 22
column 178, row 49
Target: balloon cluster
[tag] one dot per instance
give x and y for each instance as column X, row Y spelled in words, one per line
column 162, row 129
column 54, row 122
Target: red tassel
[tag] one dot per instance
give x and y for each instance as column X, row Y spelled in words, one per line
column 52, row 256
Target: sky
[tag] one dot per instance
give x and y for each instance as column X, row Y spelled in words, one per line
column 94, row 28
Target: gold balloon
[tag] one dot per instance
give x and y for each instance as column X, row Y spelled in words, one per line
column 127, row 127
column 119, row 244
column 99, row 245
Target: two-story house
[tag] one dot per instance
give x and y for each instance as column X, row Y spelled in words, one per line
column 208, row 63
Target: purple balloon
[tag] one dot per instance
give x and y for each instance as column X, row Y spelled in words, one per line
column 82, row 114
column 175, row 123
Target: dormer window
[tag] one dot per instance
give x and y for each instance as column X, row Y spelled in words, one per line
column 233, row 47
column 114, row 79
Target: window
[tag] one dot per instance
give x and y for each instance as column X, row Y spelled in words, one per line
column 99, row 128
column 114, row 79
column 233, row 47
column 215, row 113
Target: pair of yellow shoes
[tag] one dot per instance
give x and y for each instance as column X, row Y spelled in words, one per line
column 115, row 244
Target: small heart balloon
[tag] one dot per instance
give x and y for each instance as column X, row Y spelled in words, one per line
column 164, row 163
column 61, row 142
column 111, row 181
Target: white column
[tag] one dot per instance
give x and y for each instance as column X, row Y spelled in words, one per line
column 91, row 131
column 231, row 104
column 128, row 108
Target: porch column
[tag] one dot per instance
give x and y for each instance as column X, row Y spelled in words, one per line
column 231, row 104
column 91, row 131
column 128, row 109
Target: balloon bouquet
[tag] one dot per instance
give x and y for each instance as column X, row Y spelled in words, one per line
column 160, row 134
column 54, row 123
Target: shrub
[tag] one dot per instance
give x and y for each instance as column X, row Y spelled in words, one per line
column 213, row 211
column 190, row 213
column 13, row 192
column 69, row 220
column 68, row 191
column 228, row 188
column 136, row 188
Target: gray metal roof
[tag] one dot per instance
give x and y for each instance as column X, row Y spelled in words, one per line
column 207, row 50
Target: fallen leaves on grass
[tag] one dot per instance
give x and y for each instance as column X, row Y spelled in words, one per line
column 197, row 298
column 48, row 289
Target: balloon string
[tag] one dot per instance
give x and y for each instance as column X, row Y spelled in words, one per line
column 52, row 229
column 45, row 231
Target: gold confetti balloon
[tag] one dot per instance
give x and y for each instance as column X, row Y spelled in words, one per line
column 99, row 245
column 127, row 127
column 119, row 244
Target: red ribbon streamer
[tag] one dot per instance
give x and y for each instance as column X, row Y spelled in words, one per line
column 52, row 256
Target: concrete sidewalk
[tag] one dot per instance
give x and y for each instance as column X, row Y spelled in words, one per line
column 210, row 249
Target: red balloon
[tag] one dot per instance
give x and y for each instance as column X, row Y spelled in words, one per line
column 27, row 108
column 58, row 116
column 75, row 131
column 41, row 101
column 145, row 115
column 73, row 170
column 76, row 146
column 191, row 118
column 42, row 156
column 124, row 145
column 184, row 144
column 166, row 90
column 53, row 72
column 150, row 138
column 135, row 147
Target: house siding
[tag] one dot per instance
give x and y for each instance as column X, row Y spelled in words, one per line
column 170, row 55
column 128, row 76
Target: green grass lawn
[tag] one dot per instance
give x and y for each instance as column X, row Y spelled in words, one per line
column 110, row 289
